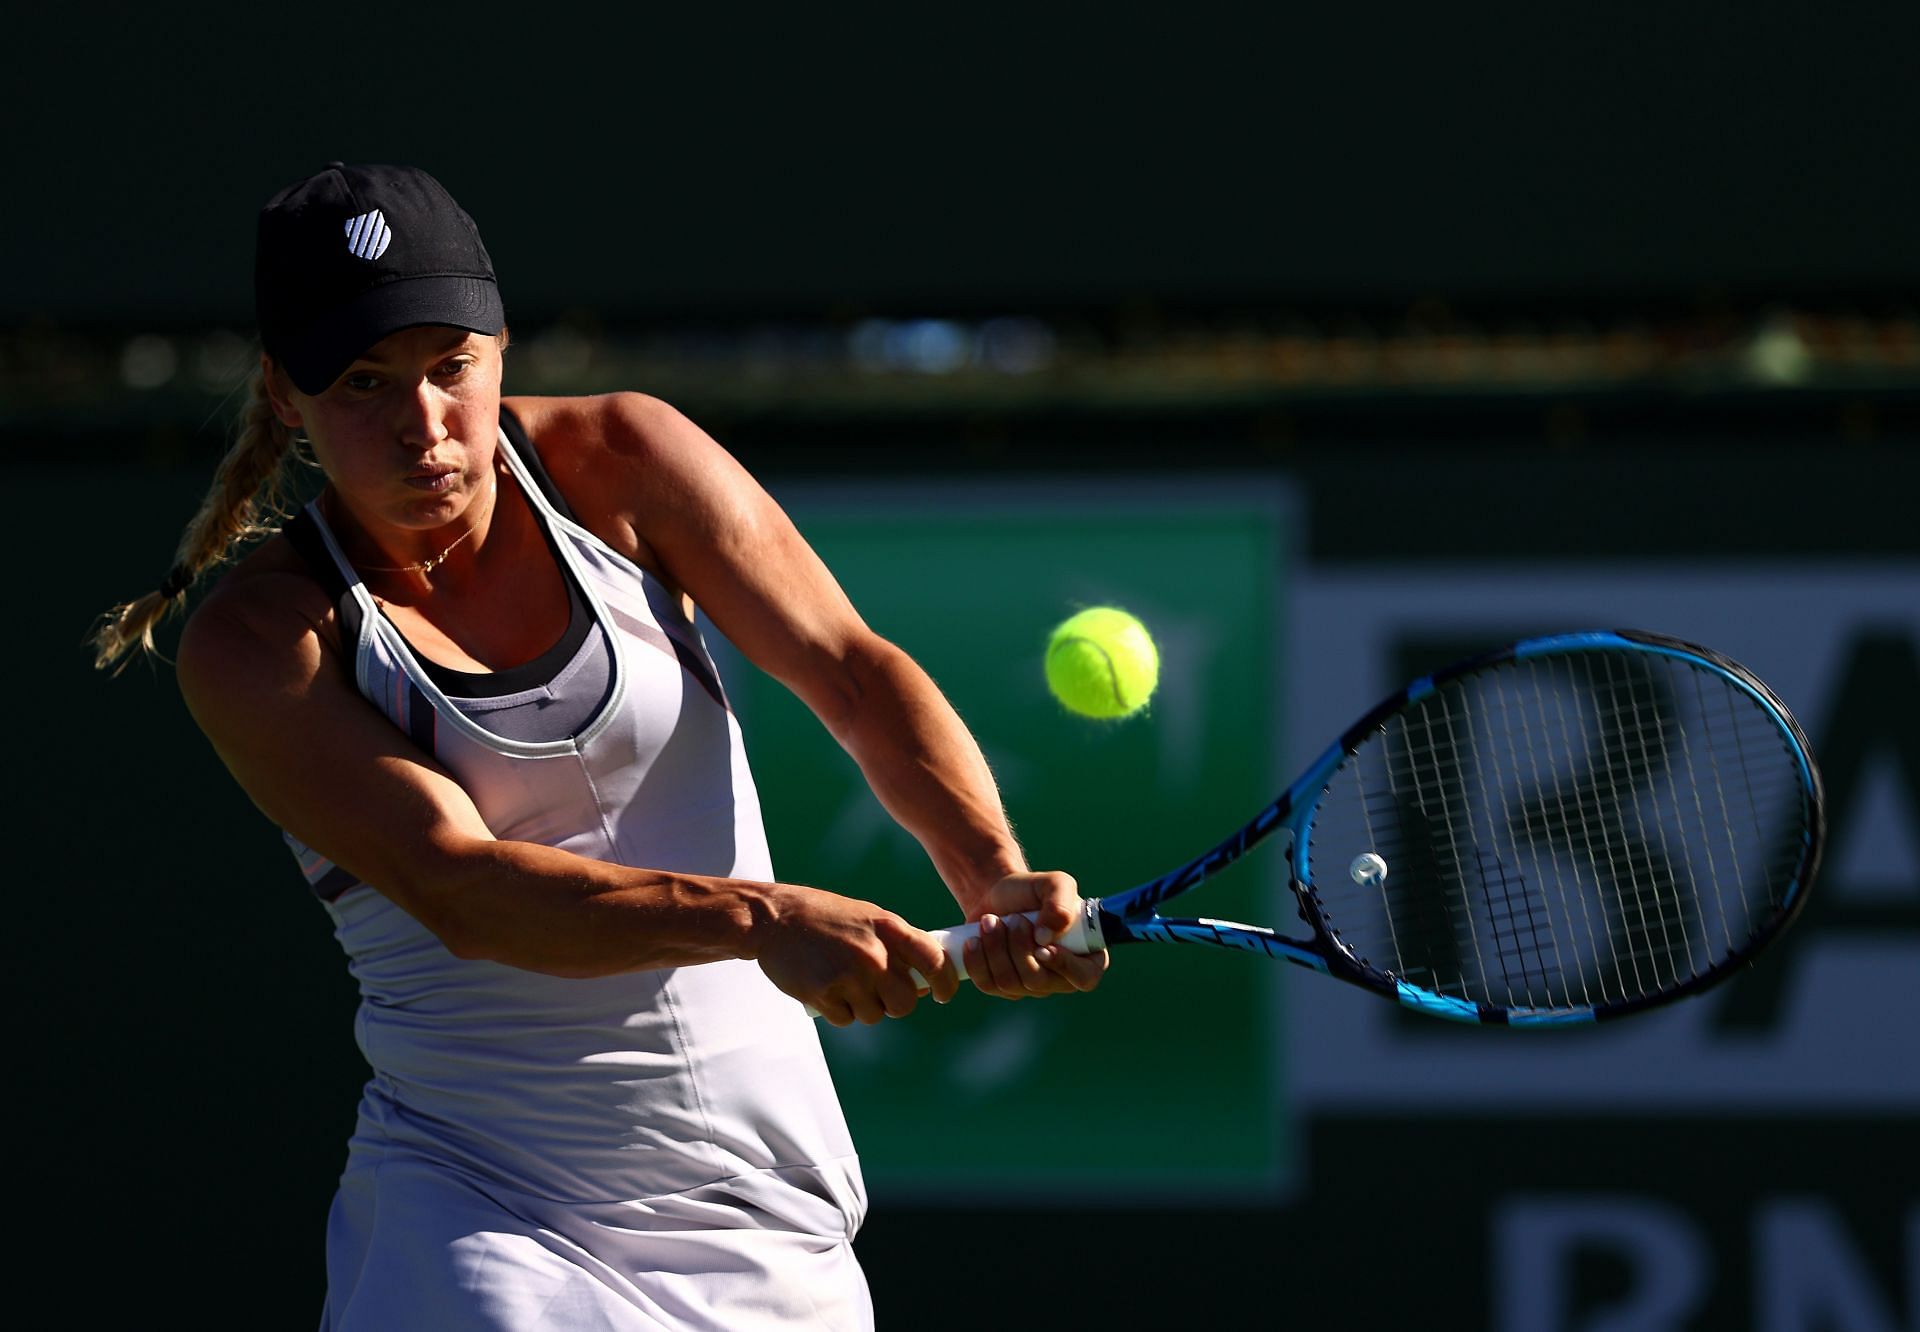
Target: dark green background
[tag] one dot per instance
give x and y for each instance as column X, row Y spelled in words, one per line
column 980, row 1099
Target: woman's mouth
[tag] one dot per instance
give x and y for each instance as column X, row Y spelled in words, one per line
column 433, row 480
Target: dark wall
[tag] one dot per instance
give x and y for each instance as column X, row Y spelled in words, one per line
column 767, row 157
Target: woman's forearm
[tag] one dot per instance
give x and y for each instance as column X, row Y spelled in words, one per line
column 926, row 769
column 542, row 909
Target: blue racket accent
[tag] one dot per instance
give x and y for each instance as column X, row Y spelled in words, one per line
column 1570, row 1018
column 1558, row 832
column 1588, row 642
column 1218, row 933
column 1439, row 1005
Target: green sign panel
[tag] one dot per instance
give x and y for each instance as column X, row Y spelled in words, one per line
column 1166, row 1080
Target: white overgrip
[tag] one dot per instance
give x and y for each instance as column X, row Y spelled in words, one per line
column 1083, row 936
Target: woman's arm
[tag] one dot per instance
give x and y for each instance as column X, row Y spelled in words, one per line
column 683, row 506
column 269, row 691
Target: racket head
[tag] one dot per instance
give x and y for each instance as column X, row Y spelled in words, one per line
column 1571, row 828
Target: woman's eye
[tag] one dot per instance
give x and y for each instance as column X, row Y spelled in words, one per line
column 361, row 383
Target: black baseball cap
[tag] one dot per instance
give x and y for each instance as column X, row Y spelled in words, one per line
column 353, row 253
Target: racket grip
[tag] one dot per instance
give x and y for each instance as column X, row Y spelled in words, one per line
column 1083, row 936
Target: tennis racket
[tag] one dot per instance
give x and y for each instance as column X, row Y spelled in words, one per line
column 1564, row 830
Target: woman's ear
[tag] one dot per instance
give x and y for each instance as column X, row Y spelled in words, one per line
column 280, row 392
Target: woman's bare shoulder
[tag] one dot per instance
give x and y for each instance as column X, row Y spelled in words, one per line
column 625, row 461
column 267, row 606
column 597, row 429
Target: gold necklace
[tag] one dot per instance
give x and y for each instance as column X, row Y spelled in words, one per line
column 428, row 566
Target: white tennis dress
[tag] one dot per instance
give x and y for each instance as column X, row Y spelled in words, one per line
column 656, row 1150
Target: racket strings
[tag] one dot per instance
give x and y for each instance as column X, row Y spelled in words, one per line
column 1562, row 832
column 1386, row 904
column 1634, row 737
column 1514, row 748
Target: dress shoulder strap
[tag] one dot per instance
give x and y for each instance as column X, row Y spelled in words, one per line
column 525, row 450
column 303, row 531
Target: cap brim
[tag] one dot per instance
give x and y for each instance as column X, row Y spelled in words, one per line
column 336, row 340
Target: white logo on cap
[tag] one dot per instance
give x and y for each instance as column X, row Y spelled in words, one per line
column 368, row 234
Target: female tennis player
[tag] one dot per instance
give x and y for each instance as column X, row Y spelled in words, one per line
column 466, row 683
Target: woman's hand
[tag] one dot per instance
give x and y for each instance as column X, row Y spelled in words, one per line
column 1017, row 959
column 850, row 961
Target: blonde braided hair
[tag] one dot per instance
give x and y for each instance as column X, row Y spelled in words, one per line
column 249, row 498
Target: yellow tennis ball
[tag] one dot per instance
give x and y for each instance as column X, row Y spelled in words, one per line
column 1102, row 663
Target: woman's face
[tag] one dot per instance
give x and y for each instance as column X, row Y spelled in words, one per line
column 406, row 436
